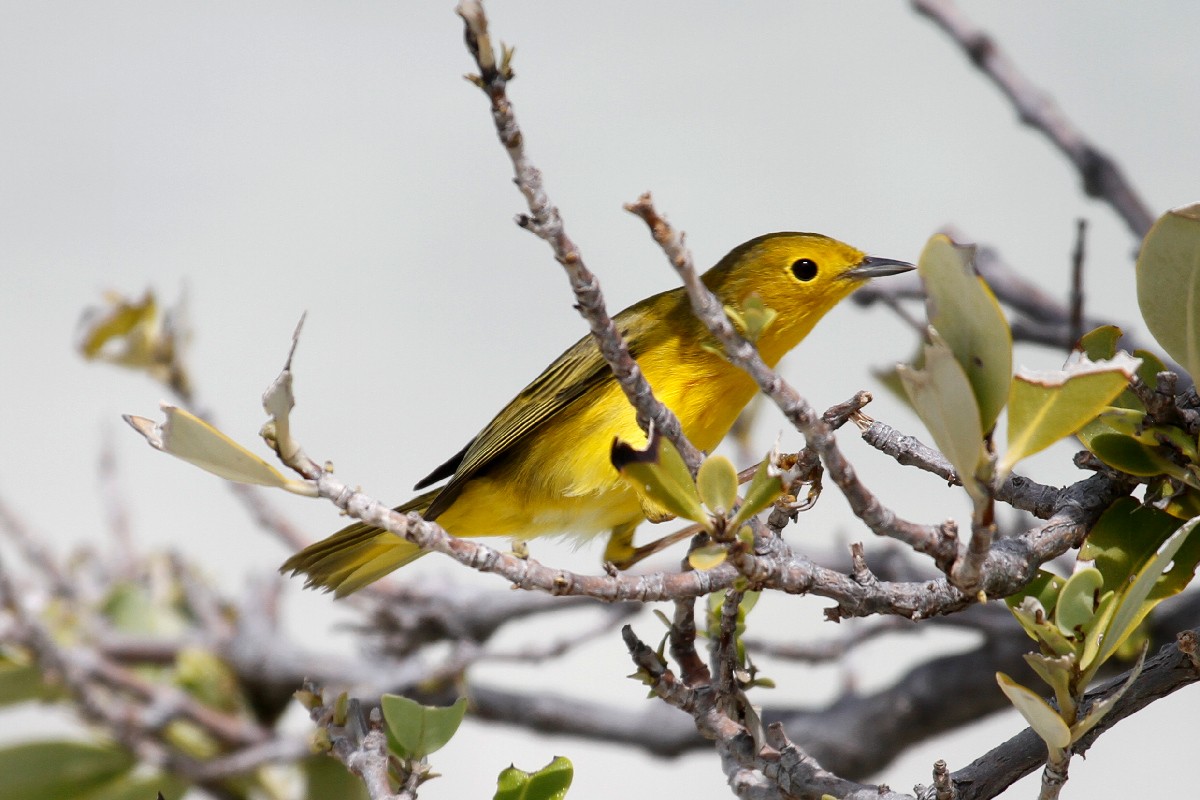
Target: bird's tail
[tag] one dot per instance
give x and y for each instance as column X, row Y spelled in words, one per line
column 357, row 554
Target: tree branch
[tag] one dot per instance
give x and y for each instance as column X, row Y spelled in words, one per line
column 1102, row 177
column 546, row 223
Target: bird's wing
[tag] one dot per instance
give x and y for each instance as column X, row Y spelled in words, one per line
column 572, row 374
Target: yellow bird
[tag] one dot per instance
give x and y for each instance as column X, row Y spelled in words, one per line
column 542, row 465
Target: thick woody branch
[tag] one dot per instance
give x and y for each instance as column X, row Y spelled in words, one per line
column 1162, row 675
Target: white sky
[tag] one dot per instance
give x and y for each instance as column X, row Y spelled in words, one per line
column 280, row 157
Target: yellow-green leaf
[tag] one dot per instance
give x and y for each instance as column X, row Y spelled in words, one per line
column 1100, row 343
column 660, row 477
column 707, row 557
column 551, row 782
column 1044, row 588
column 964, row 311
column 190, row 438
column 1125, row 453
column 942, row 397
column 1077, row 600
column 765, row 487
column 1041, row 628
column 716, row 481
column 1168, row 285
column 1094, row 631
column 1045, row 407
column 1056, row 672
column 1044, row 720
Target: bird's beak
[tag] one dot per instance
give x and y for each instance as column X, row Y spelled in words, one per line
column 875, row 267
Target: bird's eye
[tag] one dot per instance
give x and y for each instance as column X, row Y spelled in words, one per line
column 805, row 269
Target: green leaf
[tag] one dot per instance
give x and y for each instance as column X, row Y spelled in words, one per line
column 764, row 489
column 1127, row 535
column 548, row 783
column 964, row 311
column 1100, row 343
column 1152, row 583
column 660, row 477
column 414, row 731
column 53, row 770
column 1093, row 635
column 1044, row 720
column 1045, row 407
column 1151, row 366
column 1168, row 285
column 21, row 680
column 327, row 778
column 190, row 438
column 717, row 483
column 942, row 398
column 1125, row 453
column 1044, row 588
column 1077, row 601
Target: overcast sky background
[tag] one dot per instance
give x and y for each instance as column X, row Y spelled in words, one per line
column 275, row 158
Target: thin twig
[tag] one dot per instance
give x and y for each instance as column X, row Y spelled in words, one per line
column 1076, row 321
column 546, row 223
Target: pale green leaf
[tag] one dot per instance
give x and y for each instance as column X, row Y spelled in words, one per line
column 1093, row 634
column 190, row 438
column 414, row 731
column 717, row 483
column 1044, row 588
column 1041, row 628
column 660, row 477
column 1044, row 720
column 707, row 557
column 551, row 782
column 964, row 311
column 1056, row 672
column 1168, row 285
column 1076, row 601
column 765, row 487
column 278, row 401
column 1046, row 407
column 942, row 397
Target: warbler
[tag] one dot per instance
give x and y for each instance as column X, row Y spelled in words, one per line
column 542, row 465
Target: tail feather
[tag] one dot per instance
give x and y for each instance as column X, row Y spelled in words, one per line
column 356, row 555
